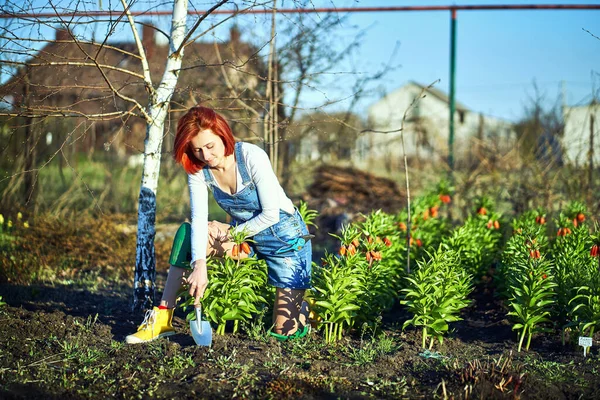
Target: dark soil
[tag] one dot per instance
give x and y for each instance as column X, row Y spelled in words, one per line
column 65, row 339
column 52, row 345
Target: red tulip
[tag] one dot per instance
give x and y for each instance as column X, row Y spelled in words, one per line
column 445, row 198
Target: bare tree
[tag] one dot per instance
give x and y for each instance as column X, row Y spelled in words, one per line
column 73, row 77
column 541, row 127
column 311, row 60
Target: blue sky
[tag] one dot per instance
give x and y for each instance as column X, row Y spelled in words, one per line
column 499, row 53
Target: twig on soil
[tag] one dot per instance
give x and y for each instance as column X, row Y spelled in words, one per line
column 34, row 381
column 284, row 370
column 130, row 378
column 443, row 385
column 39, row 362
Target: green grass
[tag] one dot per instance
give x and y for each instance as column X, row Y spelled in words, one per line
column 370, row 350
column 554, row 371
column 107, row 186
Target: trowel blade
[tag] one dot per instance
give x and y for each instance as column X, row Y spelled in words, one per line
column 201, row 330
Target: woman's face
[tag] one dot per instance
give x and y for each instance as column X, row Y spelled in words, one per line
column 208, row 148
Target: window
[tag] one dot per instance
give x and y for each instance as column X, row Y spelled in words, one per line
column 7, row 102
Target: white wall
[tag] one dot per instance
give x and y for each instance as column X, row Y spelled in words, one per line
column 576, row 140
column 433, row 113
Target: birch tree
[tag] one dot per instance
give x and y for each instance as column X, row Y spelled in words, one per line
column 90, row 55
column 145, row 265
column 145, row 269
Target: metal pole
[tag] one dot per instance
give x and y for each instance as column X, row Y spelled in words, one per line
column 452, row 78
column 591, row 152
column 265, row 10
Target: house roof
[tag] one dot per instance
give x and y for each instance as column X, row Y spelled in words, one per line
column 430, row 91
column 439, row 94
column 588, row 105
column 82, row 87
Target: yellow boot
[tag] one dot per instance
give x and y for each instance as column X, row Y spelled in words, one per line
column 157, row 323
column 313, row 318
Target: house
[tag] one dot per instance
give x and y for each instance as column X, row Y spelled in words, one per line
column 327, row 137
column 426, row 129
column 581, row 139
column 62, row 78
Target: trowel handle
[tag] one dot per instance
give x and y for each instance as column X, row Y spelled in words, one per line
column 198, row 310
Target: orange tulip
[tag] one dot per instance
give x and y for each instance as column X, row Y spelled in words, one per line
column 534, row 253
column 245, row 247
column 351, row 249
column 445, row 198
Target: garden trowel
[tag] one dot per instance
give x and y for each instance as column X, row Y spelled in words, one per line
column 201, row 330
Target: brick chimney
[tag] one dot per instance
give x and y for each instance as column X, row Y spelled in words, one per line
column 63, row 34
column 148, row 40
column 234, row 35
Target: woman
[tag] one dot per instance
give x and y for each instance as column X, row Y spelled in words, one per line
column 243, row 183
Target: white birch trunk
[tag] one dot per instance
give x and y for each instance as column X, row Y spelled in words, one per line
column 145, row 263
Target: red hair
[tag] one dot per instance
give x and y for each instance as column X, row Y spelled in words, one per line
column 195, row 120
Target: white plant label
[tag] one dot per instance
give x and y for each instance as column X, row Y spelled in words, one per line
column 585, row 342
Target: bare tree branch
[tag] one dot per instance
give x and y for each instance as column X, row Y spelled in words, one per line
column 101, row 45
column 236, row 96
column 227, row 62
column 140, row 47
column 591, row 34
column 177, row 52
column 74, row 64
column 100, row 67
column 188, row 41
column 47, row 112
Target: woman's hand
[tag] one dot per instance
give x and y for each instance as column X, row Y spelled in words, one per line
column 198, row 280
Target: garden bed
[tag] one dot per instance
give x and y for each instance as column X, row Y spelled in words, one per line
column 67, row 290
column 66, row 341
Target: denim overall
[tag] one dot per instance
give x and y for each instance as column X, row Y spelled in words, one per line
column 290, row 269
